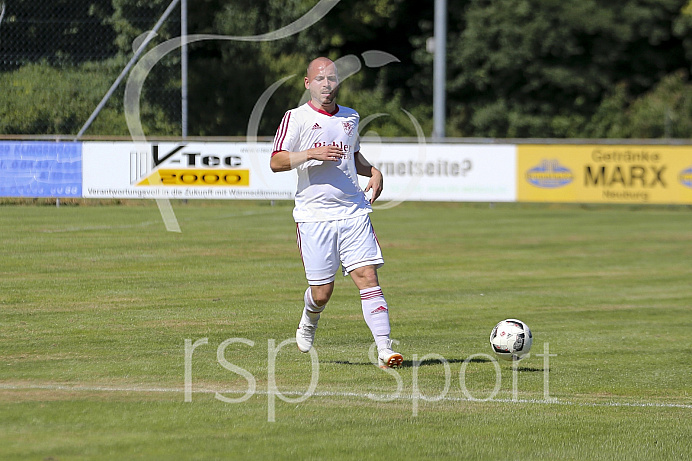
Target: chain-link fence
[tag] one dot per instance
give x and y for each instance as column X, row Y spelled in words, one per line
column 58, row 58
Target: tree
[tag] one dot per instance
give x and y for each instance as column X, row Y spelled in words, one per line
column 229, row 77
column 56, row 31
column 33, row 106
column 516, row 68
column 540, row 68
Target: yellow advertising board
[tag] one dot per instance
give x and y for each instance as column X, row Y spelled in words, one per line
column 196, row 177
column 604, row 173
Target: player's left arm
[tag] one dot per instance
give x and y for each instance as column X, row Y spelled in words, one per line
column 365, row 168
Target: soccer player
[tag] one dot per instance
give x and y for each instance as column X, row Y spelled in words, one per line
column 320, row 140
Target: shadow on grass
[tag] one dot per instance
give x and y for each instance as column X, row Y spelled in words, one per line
column 432, row 362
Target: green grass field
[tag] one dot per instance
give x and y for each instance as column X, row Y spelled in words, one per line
column 97, row 303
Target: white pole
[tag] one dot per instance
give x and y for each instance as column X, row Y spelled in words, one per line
column 439, row 70
column 183, row 65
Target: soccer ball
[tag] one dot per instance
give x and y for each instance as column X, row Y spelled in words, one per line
column 511, row 339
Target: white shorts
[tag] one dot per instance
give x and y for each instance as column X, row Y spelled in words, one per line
column 325, row 245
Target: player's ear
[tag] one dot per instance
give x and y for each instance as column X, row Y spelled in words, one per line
column 307, row 83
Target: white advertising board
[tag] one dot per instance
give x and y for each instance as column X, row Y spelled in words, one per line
column 221, row 170
column 167, row 170
column 444, row 172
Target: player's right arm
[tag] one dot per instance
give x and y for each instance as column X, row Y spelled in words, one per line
column 284, row 160
column 287, row 144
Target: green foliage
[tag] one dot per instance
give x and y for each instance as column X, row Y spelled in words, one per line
column 516, row 68
column 42, row 99
column 531, row 68
column 610, row 119
column 235, row 74
column 131, row 18
column 663, row 112
column 65, row 32
column 74, row 62
column 666, row 111
column 682, row 27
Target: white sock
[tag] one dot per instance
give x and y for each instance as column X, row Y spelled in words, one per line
column 376, row 314
column 311, row 312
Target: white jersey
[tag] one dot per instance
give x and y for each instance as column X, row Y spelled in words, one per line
column 326, row 190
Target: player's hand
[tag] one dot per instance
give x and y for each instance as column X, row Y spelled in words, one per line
column 375, row 184
column 326, row 153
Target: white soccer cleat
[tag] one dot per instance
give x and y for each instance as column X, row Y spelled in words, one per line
column 387, row 358
column 305, row 336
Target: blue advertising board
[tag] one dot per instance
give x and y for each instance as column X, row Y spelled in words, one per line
column 40, row 169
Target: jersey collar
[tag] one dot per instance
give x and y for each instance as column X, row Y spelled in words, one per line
column 322, row 111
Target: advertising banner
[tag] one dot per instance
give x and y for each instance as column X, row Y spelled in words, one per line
column 432, row 172
column 40, row 169
column 588, row 173
column 170, row 170
column 444, row 172
column 604, row 174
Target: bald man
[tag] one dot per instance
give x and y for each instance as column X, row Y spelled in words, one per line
column 320, row 140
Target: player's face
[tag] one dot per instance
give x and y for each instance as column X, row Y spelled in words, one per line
column 323, row 83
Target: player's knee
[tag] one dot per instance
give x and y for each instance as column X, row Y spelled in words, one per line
column 321, row 295
column 321, row 299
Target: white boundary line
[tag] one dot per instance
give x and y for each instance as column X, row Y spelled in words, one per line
column 371, row 396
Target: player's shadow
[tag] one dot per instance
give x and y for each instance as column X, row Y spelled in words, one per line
column 433, row 362
column 409, row 363
column 529, row 369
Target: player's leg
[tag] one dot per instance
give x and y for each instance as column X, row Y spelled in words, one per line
column 376, row 314
column 361, row 256
column 375, row 308
column 321, row 294
column 317, row 244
